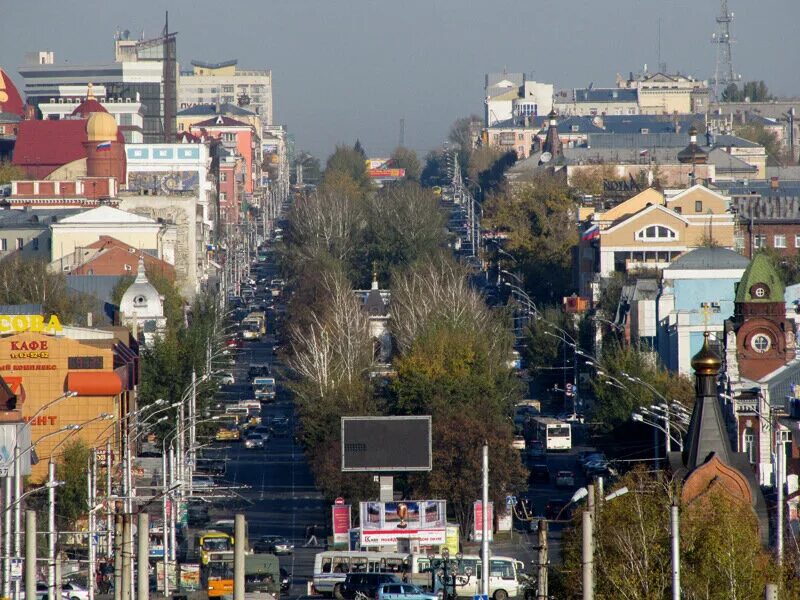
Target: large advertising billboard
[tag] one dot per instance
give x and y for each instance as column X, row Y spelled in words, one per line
column 386, row 444
column 385, row 522
column 340, row 517
column 163, row 182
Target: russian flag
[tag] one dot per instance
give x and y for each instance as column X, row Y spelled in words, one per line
column 591, row 234
column 102, row 146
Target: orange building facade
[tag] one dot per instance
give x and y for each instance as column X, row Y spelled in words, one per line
column 43, row 365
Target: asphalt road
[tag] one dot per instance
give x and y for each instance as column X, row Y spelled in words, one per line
column 276, row 483
column 279, row 490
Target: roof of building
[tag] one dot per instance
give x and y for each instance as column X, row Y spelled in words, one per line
column 760, row 270
column 219, row 65
column 21, row 309
column 10, row 98
column 761, row 187
column 226, row 108
column 709, row 259
column 727, row 163
column 107, row 214
column 42, row 217
column 141, row 298
column 592, row 94
column 677, row 124
column 220, row 121
column 87, row 107
column 9, row 117
column 50, row 142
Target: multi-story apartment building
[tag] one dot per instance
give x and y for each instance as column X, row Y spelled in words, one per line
column 137, row 76
column 224, row 82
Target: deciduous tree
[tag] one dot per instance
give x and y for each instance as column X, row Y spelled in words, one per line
column 405, row 158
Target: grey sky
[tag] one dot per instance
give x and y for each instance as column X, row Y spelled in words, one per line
column 347, row 69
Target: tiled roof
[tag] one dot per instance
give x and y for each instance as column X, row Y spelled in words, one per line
column 50, row 143
column 760, row 271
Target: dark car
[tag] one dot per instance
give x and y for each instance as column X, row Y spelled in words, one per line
column 286, row 580
column 540, row 473
column 366, row 583
column 273, row 544
column 555, row 509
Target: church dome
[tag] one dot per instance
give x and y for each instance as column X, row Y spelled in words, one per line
column 101, row 127
column 706, row 362
column 142, row 299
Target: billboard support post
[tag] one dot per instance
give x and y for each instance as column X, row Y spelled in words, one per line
column 387, row 488
column 485, row 524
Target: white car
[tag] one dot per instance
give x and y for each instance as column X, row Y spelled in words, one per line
column 227, row 379
column 74, row 591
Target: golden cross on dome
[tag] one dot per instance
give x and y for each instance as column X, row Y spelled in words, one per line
column 706, row 314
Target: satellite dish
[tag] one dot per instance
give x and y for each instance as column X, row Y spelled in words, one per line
column 546, row 157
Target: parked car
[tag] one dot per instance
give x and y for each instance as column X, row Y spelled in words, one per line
column 366, row 583
column 71, row 590
column 539, row 474
column 273, row 544
column 41, row 591
column 518, row 443
column 402, row 591
column 565, row 479
column 227, row 379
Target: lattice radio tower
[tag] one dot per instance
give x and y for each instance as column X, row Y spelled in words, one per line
column 723, row 74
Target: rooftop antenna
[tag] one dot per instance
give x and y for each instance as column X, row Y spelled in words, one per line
column 402, row 132
column 723, row 74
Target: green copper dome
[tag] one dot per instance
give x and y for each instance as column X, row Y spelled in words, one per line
column 760, row 282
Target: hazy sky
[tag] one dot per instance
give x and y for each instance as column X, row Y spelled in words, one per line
column 347, row 69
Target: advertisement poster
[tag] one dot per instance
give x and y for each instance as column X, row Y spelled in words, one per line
column 190, row 577
column 160, row 575
column 163, row 182
column 477, row 513
column 340, row 517
column 453, row 539
column 385, row 522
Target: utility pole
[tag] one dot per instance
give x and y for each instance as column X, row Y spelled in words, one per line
column 676, row 551
column 588, row 555
column 485, row 524
column 143, row 557
column 30, row 554
column 541, row 579
column 18, row 512
column 126, row 557
column 110, row 511
column 8, row 484
column 164, row 517
column 239, row 546
column 51, row 530
column 587, row 529
column 117, row 556
column 779, row 456
column 92, row 497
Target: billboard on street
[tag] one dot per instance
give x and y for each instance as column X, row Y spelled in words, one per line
column 386, row 444
column 385, row 522
column 477, row 513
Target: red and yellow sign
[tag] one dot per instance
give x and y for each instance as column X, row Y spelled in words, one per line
column 34, row 323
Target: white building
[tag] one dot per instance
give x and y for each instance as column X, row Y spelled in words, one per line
column 142, row 309
column 211, row 83
column 511, row 95
column 127, row 112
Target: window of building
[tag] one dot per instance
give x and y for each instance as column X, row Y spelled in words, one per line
column 227, row 89
column 779, row 241
column 748, row 444
column 760, row 343
column 20, row 243
column 759, row 240
column 631, row 111
column 223, row 177
column 3, row 244
column 698, row 206
column 656, row 232
column 35, row 243
column 223, row 196
column 797, row 240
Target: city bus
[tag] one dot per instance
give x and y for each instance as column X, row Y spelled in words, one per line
column 214, row 544
column 331, row 567
column 504, row 571
column 554, row 434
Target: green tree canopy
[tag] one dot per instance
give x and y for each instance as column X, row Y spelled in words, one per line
column 405, row 158
column 71, row 498
column 9, row 173
column 350, row 162
column 619, row 390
